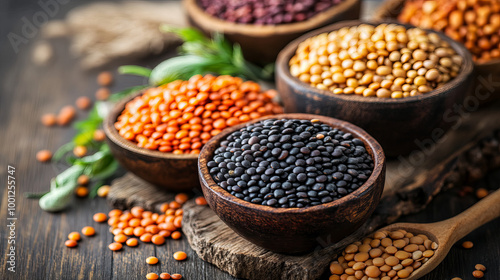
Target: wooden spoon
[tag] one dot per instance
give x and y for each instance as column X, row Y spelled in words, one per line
column 447, row 232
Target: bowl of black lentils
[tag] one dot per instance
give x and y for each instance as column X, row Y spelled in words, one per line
column 403, row 85
column 262, row 27
column 292, row 182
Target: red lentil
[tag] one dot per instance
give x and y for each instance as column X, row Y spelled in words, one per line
column 105, row 79
column 181, row 116
column 49, row 119
column 100, row 217
column 176, row 276
column 200, row 201
column 152, row 275
column 74, row 236
column 152, row 260
column 88, row 231
column 132, row 242
column 164, row 275
column 115, row 246
column 82, row 191
column 180, row 256
column 44, row 155
column 83, row 103
column 70, row 243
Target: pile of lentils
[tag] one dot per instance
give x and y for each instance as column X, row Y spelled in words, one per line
column 476, row 24
column 387, row 61
column 265, row 12
column 290, row 163
column 385, row 255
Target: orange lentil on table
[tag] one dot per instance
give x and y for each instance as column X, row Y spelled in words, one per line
column 181, row 198
column 103, row 191
column 80, row 151
column 176, row 276
column 105, row 79
column 132, row 242
column 102, row 94
column 478, row 274
column 120, row 238
column 88, row 231
column 99, row 135
column 100, row 217
column 115, row 246
column 83, row 180
column 66, row 115
column 44, row 155
column 181, row 116
column 467, row 244
column 152, row 260
column 49, row 119
column 83, row 103
column 70, row 243
column 164, row 275
column 81, row 191
column 152, row 275
column 180, row 256
column 200, row 200
column 74, row 236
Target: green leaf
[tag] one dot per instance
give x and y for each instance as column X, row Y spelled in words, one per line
column 62, row 151
column 186, row 34
column 62, row 189
column 180, row 67
column 134, row 70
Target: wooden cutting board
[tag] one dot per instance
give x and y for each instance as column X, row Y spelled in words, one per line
column 462, row 156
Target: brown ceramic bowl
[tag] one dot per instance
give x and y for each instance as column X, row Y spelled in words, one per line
column 486, row 86
column 400, row 125
column 172, row 172
column 262, row 43
column 296, row 230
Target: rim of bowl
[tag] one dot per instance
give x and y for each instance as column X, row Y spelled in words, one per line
column 286, row 54
column 220, row 25
column 115, row 137
column 377, row 154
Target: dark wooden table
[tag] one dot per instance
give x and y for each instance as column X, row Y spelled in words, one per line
column 28, row 91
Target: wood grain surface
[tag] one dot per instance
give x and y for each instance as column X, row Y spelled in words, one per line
column 28, row 91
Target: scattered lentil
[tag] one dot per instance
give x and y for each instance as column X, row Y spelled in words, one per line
column 80, row 151
column 105, row 79
column 176, row 276
column 478, row 274
column 115, row 246
column 164, row 275
column 132, row 242
column 99, row 135
column 81, row 191
column 70, row 243
column 44, row 155
column 102, row 94
column 83, row 103
column 181, row 116
column 392, row 264
column 66, row 115
column 49, row 119
column 281, row 163
column 103, row 191
column 180, row 256
column 152, row 260
column 152, row 275
column 480, row 267
column 88, row 231
column 100, row 217
column 467, row 244
column 74, row 236
column 387, row 61
column 200, row 200
column 481, row 193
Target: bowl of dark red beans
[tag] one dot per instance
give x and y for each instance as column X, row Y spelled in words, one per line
column 263, row 27
column 292, row 182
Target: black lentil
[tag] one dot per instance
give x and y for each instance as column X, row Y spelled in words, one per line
column 305, row 163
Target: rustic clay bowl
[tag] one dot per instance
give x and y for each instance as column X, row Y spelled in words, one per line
column 486, row 81
column 295, row 230
column 400, row 125
column 172, row 172
column 262, row 43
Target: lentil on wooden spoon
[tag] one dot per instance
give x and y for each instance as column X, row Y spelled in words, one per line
column 443, row 235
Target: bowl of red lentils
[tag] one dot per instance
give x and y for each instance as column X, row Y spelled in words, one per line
column 401, row 84
column 158, row 133
column 263, row 28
